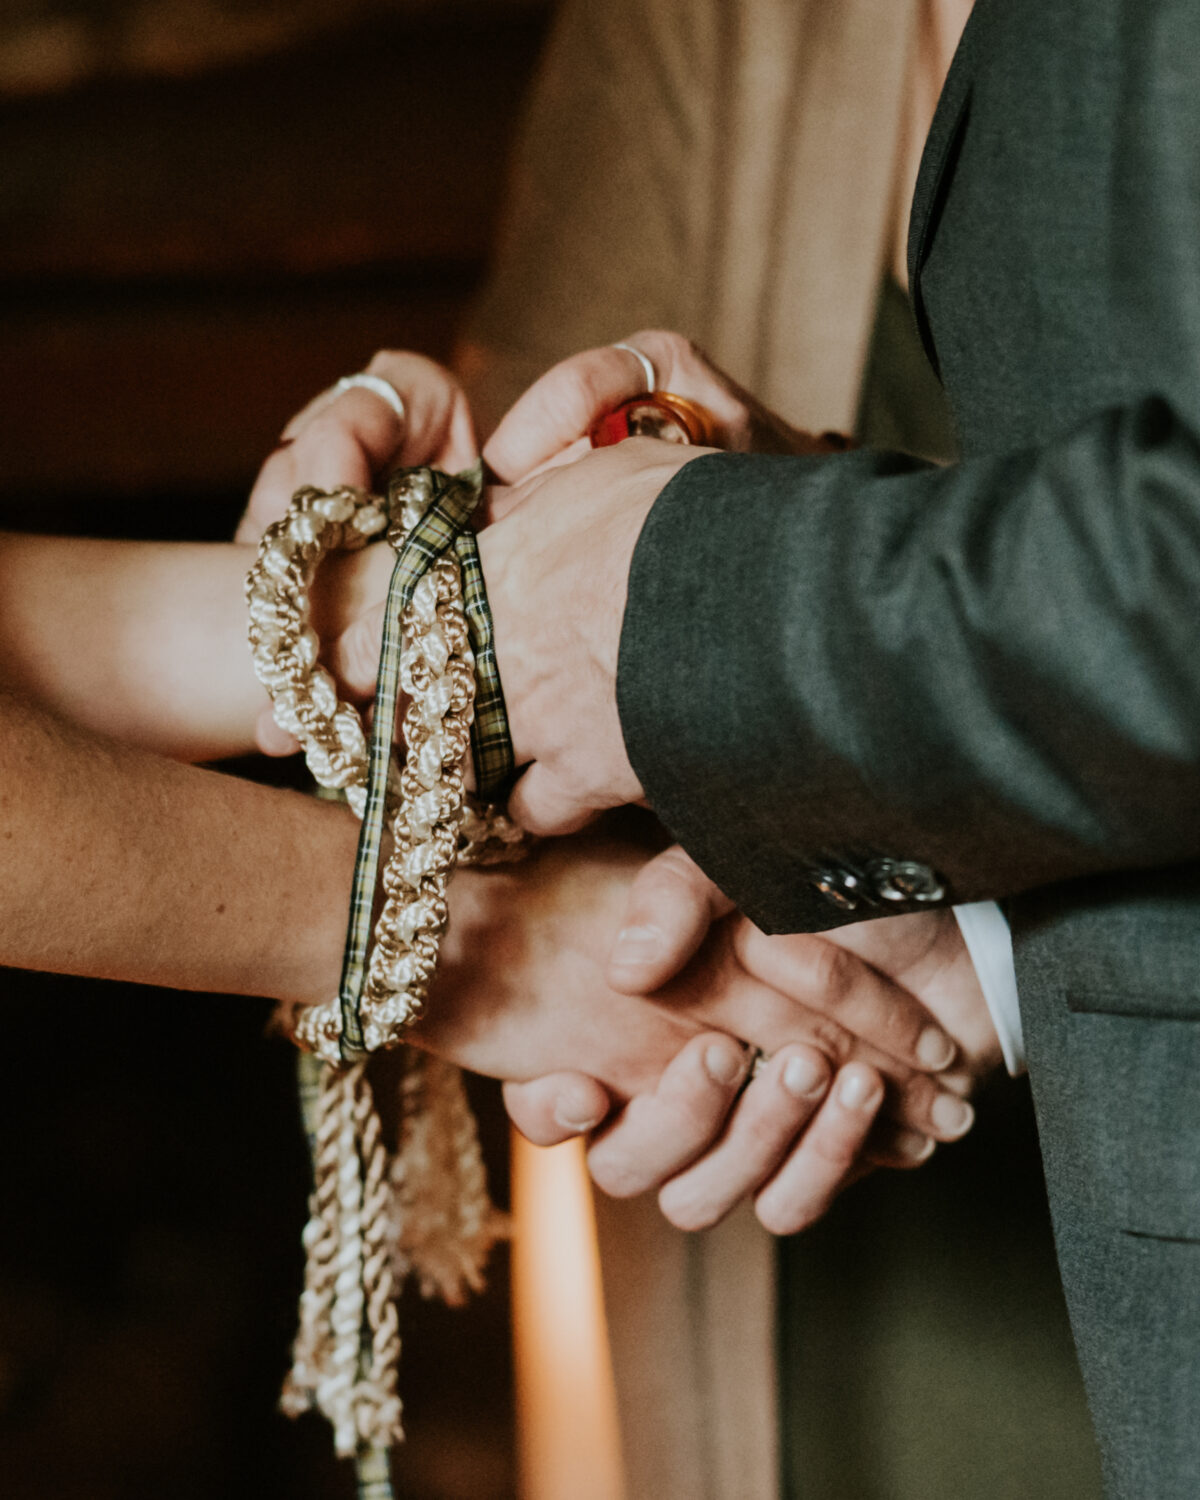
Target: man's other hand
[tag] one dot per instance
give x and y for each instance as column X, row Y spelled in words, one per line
column 557, row 569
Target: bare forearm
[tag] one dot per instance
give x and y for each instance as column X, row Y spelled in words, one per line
column 145, row 641
column 120, row 864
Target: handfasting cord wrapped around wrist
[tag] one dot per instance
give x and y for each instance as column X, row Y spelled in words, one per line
column 423, row 1208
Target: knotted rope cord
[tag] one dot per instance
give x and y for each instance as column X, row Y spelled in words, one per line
column 426, row 1211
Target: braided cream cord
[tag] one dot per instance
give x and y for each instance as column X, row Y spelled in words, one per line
column 283, row 643
column 311, row 1347
column 428, row 798
column 427, row 1210
column 437, row 670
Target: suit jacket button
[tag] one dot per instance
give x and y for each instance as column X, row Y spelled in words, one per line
column 906, row 880
column 841, row 888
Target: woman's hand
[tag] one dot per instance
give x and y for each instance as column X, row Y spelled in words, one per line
column 550, row 422
column 353, row 438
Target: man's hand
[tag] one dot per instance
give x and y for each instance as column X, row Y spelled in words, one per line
column 542, row 1008
column 557, row 564
column 793, row 1161
column 557, row 569
column 672, row 904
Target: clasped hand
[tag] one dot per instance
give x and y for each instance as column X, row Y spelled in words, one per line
column 610, row 986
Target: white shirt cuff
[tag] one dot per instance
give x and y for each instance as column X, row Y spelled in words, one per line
column 986, row 933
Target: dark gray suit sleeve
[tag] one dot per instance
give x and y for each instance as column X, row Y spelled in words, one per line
column 993, row 669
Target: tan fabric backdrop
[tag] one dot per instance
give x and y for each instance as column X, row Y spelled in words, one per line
column 725, row 169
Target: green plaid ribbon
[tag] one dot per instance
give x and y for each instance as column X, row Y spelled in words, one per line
column 373, row 1474
column 444, row 526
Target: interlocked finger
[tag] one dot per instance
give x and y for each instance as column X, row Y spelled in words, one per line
column 660, row 1133
column 828, row 1155
column 556, row 1107
column 776, row 1105
column 849, row 992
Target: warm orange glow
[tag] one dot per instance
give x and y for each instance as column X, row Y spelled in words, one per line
column 567, row 1434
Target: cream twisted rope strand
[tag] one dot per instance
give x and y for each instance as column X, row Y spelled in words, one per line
column 427, row 1211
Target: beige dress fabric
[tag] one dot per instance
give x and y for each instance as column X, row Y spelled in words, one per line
column 725, row 169
column 728, row 170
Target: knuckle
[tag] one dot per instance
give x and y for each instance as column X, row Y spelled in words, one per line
column 835, row 1151
column 676, row 866
column 832, row 973
column 381, row 360
column 765, row 1133
column 828, row 1038
column 329, row 434
column 689, row 1108
column 577, row 394
column 663, row 341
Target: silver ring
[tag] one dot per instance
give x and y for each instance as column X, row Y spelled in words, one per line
column 644, row 361
column 376, row 384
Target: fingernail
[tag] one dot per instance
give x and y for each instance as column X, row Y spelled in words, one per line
column 858, row 1090
column 951, row 1115
column 723, row 1064
column 913, row 1146
column 637, row 945
column 805, row 1077
column 935, row 1050
column 577, row 1120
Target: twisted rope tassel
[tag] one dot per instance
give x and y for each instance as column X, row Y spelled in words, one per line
column 443, row 1223
column 347, row 1272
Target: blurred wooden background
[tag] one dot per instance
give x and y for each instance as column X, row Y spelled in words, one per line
column 207, row 213
column 188, row 252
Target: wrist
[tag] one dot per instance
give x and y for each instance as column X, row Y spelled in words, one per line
column 345, row 587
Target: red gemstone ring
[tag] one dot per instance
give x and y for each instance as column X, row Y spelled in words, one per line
column 661, row 414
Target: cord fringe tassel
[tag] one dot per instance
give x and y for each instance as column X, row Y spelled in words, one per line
column 375, row 1219
column 443, row 1224
column 346, row 1354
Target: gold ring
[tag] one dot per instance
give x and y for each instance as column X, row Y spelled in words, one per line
column 661, row 414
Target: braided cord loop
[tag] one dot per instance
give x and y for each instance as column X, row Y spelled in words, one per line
column 425, row 1210
column 421, row 809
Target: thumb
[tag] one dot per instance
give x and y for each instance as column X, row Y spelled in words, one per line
column 543, row 806
column 557, row 1107
column 558, row 410
column 671, row 906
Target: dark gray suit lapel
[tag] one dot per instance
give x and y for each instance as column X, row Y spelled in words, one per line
column 937, row 165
